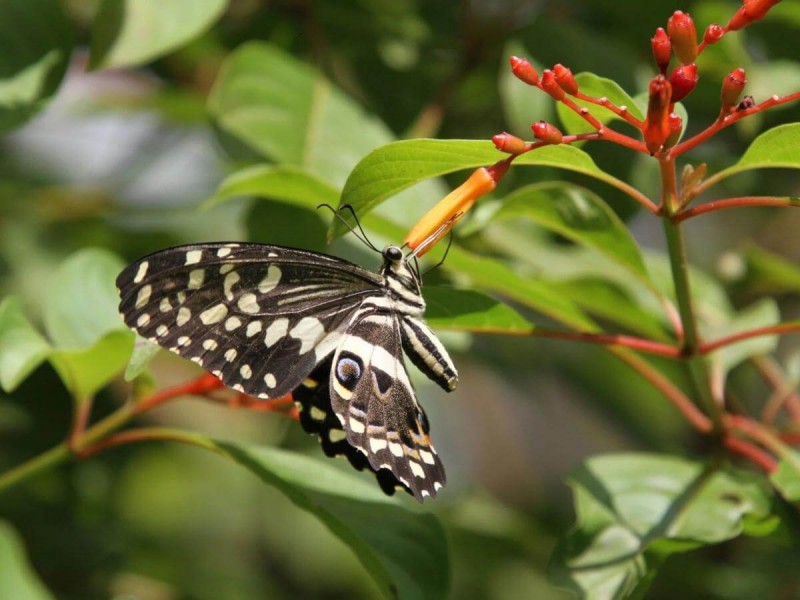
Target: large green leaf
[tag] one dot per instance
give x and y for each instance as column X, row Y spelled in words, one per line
column 394, row 167
column 599, row 87
column 126, row 33
column 17, row 579
column 35, row 44
column 22, row 348
column 635, row 509
column 580, row 215
column 468, row 310
column 405, row 552
column 284, row 109
column 279, row 182
column 778, row 147
column 82, row 305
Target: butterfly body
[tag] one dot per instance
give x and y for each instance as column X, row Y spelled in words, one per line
column 269, row 320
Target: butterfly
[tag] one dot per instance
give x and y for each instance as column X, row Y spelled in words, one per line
column 269, row 320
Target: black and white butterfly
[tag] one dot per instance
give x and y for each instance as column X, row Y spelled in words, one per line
column 269, row 320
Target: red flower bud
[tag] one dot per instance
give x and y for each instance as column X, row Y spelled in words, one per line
column 656, row 128
column 713, row 34
column 565, row 79
column 732, row 87
column 675, row 124
column 683, row 79
column 758, row 9
column 662, row 49
column 683, row 36
column 546, row 132
column 524, row 70
column 739, row 19
column 550, row 85
column 505, row 142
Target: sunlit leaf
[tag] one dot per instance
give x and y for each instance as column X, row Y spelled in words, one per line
column 394, row 167
column 599, row 87
column 85, row 371
column 22, row 348
column 635, row 509
column 17, row 578
column 468, row 310
column 35, row 44
column 278, row 182
column 82, row 305
column 577, row 214
column 404, row 551
column 126, row 33
column 287, row 111
column 778, row 147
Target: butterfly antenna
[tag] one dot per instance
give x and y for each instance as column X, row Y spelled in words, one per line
column 444, row 256
column 338, row 214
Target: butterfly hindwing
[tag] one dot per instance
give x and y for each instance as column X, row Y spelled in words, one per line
column 377, row 406
column 259, row 317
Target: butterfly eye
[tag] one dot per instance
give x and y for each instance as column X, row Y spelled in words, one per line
column 348, row 372
column 393, row 253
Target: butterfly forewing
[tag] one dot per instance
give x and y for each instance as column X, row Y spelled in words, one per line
column 259, row 317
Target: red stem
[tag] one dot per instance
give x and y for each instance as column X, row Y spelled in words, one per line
column 621, row 112
column 793, row 327
column 608, row 339
column 740, row 202
column 751, row 452
column 197, row 387
column 729, row 119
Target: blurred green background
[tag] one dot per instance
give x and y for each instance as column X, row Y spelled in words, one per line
column 122, row 159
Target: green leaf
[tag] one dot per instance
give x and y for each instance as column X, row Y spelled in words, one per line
column 285, row 183
column 35, row 44
column 288, row 112
column 599, row 87
column 143, row 352
column 778, row 147
column 87, row 370
column 786, row 478
column 494, row 276
column 22, row 348
column 127, row 33
column 405, row 552
column 82, row 305
column 397, row 166
column 17, row 578
column 764, row 313
column 580, row 215
column 633, row 510
column 468, row 310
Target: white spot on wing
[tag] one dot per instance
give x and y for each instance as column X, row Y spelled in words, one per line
column 210, row 345
column 184, row 340
column 246, row 372
column 230, row 280
column 215, row 314
column 162, row 330
column 164, row 306
column 144, row 295
column 184, row 314
column 248, row 303
column 395, row 449
column 317, row 414
column 336, row 435
column 253, row 327
column 356, row 426
column 141, row 272
column 143, row 320
column 270, row 380
column 196, row 279
column 193, row 257
column 376, row 444
column 309, row 331
column 417, row 469
column 271, row 280
column 230, row 354
column 227, row 267
column 276, row 330
column 427, row 457
column 223, row 252
column 232, row 323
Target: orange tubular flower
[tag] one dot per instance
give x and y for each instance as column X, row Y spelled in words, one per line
column 656, row 126
column 550, row 85
column 565, row 79
column 505, row 142
column 438, row 221
column 523, row 70
column 683, row 35
column 683, row 80
column 732, row 87
column 546, row 132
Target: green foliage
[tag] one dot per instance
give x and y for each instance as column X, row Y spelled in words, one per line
column 312, row 105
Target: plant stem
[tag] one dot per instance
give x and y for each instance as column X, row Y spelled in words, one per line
column 743, row 202
column 37, row 464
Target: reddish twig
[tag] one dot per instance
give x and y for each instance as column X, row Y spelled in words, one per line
column 781, row 328
column 741, row 202
column 605, row 339
column 197, row 387
column 774, row 376
column 621, row 111
column 752, row 452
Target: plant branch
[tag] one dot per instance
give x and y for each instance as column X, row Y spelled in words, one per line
column 739, row 202
column 621, row 111
column 772, row 373
column 781, row 328
column 752, row 452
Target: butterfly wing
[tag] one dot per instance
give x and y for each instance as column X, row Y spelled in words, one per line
column 375, row 403
column 313, row 400
column 259, row 317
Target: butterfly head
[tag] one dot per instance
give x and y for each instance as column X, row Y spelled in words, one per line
column 397, row 266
